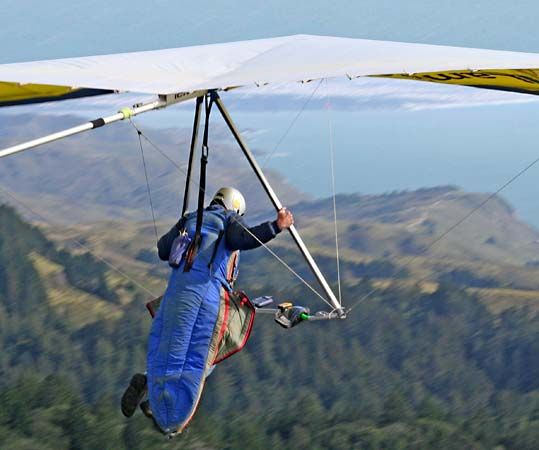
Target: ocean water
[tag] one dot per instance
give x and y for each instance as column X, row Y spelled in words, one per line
column 476, row 148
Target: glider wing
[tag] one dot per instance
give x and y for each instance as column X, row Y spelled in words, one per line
column 298, row 58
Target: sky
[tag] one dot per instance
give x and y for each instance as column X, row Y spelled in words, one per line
column 36, row 29
column 390, row 138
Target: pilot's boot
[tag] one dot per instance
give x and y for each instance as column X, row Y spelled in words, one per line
column 134, row 394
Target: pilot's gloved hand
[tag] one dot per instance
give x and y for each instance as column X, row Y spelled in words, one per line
column 285, row 219
column 289, row 316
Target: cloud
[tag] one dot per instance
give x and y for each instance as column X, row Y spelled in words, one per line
column 375, row 94
column 360, row 94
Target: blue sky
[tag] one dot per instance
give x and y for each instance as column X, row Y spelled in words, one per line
column 36, row 29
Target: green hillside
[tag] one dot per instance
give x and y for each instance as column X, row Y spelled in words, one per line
column 407, row 369
column 385, row 238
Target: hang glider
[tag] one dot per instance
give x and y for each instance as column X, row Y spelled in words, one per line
column 299, row 58
column 180, row 74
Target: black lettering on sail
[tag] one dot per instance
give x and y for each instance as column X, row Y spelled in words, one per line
column 516, row 76
column 478, row 74
column 445, row 76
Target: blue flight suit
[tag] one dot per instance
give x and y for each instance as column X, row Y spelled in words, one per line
column 188, row 326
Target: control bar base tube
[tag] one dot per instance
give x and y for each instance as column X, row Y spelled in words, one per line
column 278, row 205
column 322, row 315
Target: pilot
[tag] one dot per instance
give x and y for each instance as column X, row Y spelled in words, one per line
column 183, row 341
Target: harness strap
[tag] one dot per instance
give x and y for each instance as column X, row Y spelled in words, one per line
column 231, row 275
column 194, row 137
column 195, row 244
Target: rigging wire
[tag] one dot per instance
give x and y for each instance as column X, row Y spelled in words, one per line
column 291, row 125
column 298, row 276
column 79, row 243
column 147, row 184
column 438, row 239
column 332, row 160
column 450, row 229
column 369, row 294
column 292, row 271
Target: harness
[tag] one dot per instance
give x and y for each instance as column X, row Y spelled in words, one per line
column 213, row 256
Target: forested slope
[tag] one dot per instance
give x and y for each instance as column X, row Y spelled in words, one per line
column 406, row 370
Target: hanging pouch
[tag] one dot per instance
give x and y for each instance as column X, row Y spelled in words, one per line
column 179, row 246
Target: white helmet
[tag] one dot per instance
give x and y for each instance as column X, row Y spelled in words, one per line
column 231, row 199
